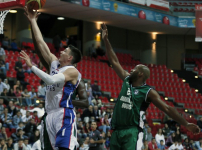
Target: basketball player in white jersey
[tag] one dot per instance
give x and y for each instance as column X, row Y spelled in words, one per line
column 62, row 81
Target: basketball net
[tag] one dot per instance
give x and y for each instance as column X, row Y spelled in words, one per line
column 2, row 17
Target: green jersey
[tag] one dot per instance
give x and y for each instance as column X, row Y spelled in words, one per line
column 130, row 106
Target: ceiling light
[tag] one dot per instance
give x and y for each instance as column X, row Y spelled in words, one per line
column 196, row 90
column 61, row 18
column 13, row 11
column 37, row 101
column 190, row 116
column 183, row 80
column 99, row 22
column 196, row 77
column 172, row 71
column 99, row 33
column 111, row 99
column 186, row 110
column 166, row 98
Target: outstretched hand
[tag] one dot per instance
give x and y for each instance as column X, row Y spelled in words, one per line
column 26, row 58
column 193, row 128
column 30, row 13
column 104, row 31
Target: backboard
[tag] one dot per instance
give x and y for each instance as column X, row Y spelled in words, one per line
column 11, row 4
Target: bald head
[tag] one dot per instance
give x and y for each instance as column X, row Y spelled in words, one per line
column 145, row 70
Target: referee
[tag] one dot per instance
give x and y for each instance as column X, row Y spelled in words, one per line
column 95, row 136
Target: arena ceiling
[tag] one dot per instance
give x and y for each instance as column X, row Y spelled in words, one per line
column 65, row 9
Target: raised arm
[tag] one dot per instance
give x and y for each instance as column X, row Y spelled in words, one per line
column 83, row 98
column 112, row 56
column 154, row 97
column 42, row 46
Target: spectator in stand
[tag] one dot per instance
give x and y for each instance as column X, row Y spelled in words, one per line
column 105, row 124
column 180, row 147
column 178, row 135
column 186, row 143
column 11, row 108
column 26, row 97
column 10, row 144
column 3, row 145
column 108, row 137
column 97, row 101
column 21, row 76
column 95, row 89
column 3, row 134
column 2, row 53
column 108, row 112
column 11, row 93
column 5, row 43
column 3, row 66
column 18, row 64
column 81, row 130
column 17, row 84
column 145, row 145
column 170, row 140
column 95, row 137
column 18, row 95
column 20, row 126
column 78, row 117
column 2, row 86
column 34, row 137
column 159, row 136
column 146, row 126
column 199, row 123
column 191, row 143
column 30, row 128
column 20, row 145
column 19, row 135
column 17, row 119
column 6, row 82
column 35, row 117
column 198, row 144
column 85, row 144
column 1, row 106
column 33, row 96
column 97, row 113
column 57, row 42
column 152, row 145
column 174, row 146
column 40, row 110
column 87, row 114
column 22, row 110
column 148, row 136
column 14, row 45
column 92, row 51
column 7, row 119
column 26, row 118
column 87, row 128
column 4, row 95
column 42, row 91
column 35, row 60
column 36, row 145
column 102, row 146
column 161, row 146
column 166, row 130
column 27, row 144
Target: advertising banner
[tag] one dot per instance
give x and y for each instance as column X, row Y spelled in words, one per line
column 141, row 2
column 198, row 23
column 158, row 4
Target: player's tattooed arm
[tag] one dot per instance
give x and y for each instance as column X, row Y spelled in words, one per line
column 83, row 98
column 154, row 97
column 112, row 56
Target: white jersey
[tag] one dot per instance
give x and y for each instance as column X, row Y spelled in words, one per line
column 59, row 95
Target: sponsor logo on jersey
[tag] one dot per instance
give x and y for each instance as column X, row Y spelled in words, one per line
column 128, row 92
column 136, row 92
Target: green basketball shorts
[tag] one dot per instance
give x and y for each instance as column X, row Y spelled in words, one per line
column 127, row 139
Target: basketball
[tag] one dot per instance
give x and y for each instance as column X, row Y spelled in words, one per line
column 36, row 4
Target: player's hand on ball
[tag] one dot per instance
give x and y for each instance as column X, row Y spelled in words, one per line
column 26, row 58
column 193, row 128
column 30, row 13
column 104, row 31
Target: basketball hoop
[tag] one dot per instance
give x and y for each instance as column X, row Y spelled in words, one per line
column 2, row 17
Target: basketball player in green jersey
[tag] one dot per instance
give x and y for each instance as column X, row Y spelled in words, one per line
column 80, row 90
column 133, row 100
